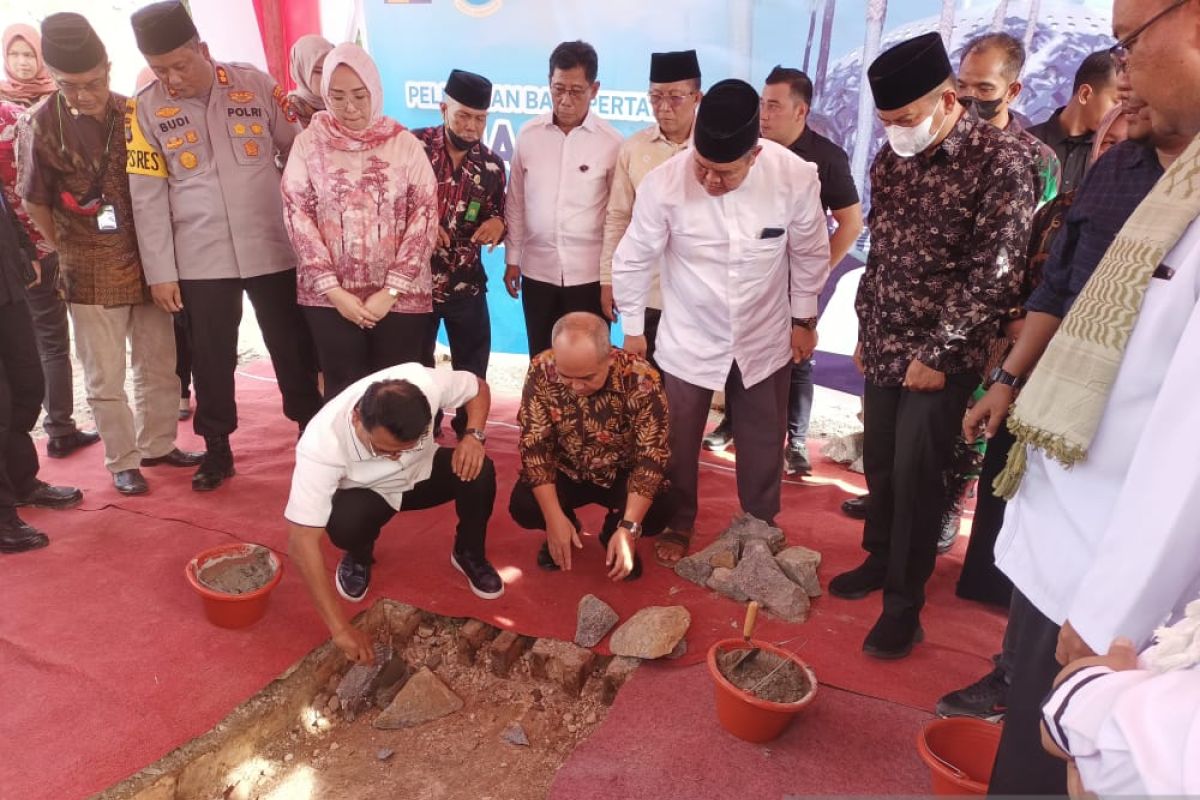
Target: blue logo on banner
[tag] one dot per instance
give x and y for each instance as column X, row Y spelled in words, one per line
column 478, row 8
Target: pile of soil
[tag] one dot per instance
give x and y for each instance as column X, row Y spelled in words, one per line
column 787, row 681
column 238, row 574
column 468, row 755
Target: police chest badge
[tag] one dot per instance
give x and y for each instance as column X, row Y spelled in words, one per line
column 251, row 148
column 166, row 112
column 192, row 137
column 240, row 96
column 174, row 143
column 188, row 159
column 256, row 129
column 239, row 129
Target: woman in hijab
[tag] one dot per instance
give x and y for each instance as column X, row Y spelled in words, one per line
column 25, row 77
column 307, row 57
column 360, row 202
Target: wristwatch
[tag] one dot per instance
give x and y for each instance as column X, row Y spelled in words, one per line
column 478, row 433
column 634, row 528
column 808, row 323
column 999, row 375
column 393, row 293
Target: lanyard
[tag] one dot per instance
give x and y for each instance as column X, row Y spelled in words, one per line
column 101, row 168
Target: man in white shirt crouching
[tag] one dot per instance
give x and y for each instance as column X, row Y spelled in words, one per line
column 738, row 227
column 367, row 455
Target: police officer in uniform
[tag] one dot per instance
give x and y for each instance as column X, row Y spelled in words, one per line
column 205, row 143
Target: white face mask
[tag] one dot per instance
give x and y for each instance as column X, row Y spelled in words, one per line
column 907, row 142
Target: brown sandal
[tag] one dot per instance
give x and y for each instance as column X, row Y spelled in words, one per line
column 678, row 538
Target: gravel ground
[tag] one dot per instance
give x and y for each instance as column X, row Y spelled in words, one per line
column 834, row 413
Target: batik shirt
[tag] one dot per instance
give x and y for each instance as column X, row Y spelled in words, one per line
column 1047, row 169
column 949, row 230
column 620, row 428
column 467, row 197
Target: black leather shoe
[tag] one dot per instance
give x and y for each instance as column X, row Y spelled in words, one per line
column 720, row 438
column 544, row 559
column 63, row 446
column 130, row 481
column 56, row 497
column 856, row 507
column 893, row 637
column 859, row 582
column 175, row 458
column 216, row 466
column 17, row 537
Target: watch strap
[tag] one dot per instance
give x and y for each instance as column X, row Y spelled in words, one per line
column 634, row 528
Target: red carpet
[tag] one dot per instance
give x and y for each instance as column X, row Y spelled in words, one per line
column 102, row 637
column 662, row 741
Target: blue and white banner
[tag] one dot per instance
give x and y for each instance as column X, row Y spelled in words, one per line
column 416, row 44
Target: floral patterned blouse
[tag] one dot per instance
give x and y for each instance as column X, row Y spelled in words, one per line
column 620, row 428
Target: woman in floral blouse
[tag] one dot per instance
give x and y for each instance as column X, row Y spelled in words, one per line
column 361, row 209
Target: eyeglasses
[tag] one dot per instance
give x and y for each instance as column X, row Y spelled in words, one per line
column 1120, row 50
column 673, row 100
column 574, row 92
column 91, row 87
column 361, row 103
column 396, row 455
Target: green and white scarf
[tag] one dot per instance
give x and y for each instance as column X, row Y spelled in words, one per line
column 1060, row 408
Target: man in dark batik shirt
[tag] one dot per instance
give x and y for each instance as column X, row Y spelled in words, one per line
column 470, row 187
column 952, row 201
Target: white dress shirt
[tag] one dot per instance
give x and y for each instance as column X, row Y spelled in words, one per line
column 1112, row 544
column 557, row 195
column 726, row 279
column 330, row 456
column 1133, row 732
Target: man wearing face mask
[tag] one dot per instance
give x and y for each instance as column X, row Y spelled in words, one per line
column 989, row 81
column 470, row 187
column 952, row 201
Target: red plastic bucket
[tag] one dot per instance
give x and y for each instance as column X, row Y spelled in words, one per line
column 959, row 752
column 744, row 715
column 233, row 610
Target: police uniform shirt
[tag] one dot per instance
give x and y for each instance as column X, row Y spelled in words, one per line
column 205, row 180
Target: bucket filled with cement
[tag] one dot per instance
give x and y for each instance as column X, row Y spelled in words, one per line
column 234, row 582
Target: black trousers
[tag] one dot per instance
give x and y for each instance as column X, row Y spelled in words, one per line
column 348, row 353
column 652, row 319
column 908, row 445
column 1022, row 766
column 359, row 515
column 21, row 388
column 53, row 336
column 183, row 355
column 981, row 579
column 214, row 311
column 469, row 331
column 526, row 512
column 544, row 303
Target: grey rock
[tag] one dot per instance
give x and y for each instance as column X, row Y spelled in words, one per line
column 721, row 582
column 422, row 699
column 595, row 619
column 652, row 632
column 758, row 577
column 515, row 734
column 800, row 564
column 356, row 691
column 699, row 566
column 747, row 528
column 384, row 753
